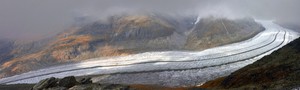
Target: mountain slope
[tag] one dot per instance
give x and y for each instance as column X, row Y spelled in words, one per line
column 120, row 35
column 279, row 70
column 5, row 46
column 212, row 32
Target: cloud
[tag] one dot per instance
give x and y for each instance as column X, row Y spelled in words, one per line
column 32, row 19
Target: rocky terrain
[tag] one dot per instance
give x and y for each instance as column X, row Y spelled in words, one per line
column 66, row 83
column 85, row 83
column 70, row 83
column 123, row 35
column 279, row 70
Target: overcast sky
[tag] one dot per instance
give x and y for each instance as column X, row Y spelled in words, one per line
column 32, row 19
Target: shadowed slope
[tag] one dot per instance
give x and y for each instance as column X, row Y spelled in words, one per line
column 276, row 71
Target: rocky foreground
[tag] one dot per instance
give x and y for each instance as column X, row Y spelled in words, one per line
column 75, row 83
column 70, row 83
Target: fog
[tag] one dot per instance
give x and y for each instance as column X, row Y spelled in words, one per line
column 35, row 19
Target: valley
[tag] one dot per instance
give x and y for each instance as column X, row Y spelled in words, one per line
column 184, row 68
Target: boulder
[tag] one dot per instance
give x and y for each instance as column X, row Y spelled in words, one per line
column 86, row 81
column 46, row 83
column 67, row 82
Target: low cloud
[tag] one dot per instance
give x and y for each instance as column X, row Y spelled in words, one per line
column 32, row 19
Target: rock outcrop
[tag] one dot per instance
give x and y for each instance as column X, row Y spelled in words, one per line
column 46, row 83
column 67, row 82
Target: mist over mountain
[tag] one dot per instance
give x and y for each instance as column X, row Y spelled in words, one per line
column 33, row 20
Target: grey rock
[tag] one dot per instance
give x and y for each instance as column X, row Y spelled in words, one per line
column 67, row 82
column 46, row 83
column 86, row 81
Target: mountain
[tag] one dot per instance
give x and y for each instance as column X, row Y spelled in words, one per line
column 279, row 70
column 212, row 32
column 5, row 46
column 124, row 34
column 289, row 25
